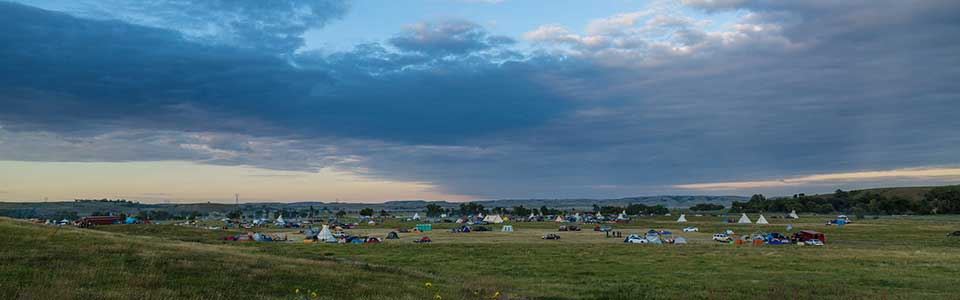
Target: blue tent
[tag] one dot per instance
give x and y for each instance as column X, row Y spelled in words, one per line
column 131, row 220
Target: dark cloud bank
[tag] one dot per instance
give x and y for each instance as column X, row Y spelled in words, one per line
column 809, row 87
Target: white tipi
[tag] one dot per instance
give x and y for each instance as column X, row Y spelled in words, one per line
column 744, row 219
column 280, row 221
column 416, row 216
column 622, row 216
column 793, row 215
column 495, row 219
column 682, row 219
column 762, row 220
column 326, row 236
column 559, row 219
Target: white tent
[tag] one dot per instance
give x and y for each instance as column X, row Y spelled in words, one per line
column 682, row 219
column 744, row 219
column 559, row 219
column 622, row 216
column 762, row 220
column 459, row 221
column 507, row 228
column 326, row 236
column 495, row 219
column 280, row 221
column 372, row 222
column 480, row 215
column 416, row 216
column 793, row 215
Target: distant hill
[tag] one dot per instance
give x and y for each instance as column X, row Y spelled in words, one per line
column 29, row 209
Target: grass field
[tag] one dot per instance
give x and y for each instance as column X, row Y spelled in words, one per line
column 888, row 258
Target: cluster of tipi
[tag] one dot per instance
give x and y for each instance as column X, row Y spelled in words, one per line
column 744, row 219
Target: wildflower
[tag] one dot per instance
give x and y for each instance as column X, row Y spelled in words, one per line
column 427, row 284
column 497, row 294
column 437, row 296
column 314, row 294
column 297, row 291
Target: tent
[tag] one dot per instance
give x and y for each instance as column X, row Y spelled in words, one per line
column 744, row 219
column 622, row 216
column 131, row 220
column 416, row 216
column 793, row 215
column 280, row 221
column 507, row 228
column 325, row 235
column 480, row 215
column 679, row 240
column 559, row 219
column 393, row 236
column 372, row 222
column 682, row 219
column 495, row 219
column 532, row 216
column 762, row 220
column 459, row 221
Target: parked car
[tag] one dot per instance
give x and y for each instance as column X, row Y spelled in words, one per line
column 551, row 236
column 635, row 239
column 813, row 242
column 721, row 237
column 691, row 229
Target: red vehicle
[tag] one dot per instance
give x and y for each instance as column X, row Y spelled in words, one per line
column 806, row 235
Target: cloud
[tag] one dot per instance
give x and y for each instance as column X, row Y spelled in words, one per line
column 276, row 26
column 951, row 174
column 448, row 37
column 637, row 103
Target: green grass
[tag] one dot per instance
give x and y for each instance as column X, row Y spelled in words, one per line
column 889, row 258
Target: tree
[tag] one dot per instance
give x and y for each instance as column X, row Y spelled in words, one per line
column 434, row 210
column 366, row 211
column 384, row 213
column 341, row 214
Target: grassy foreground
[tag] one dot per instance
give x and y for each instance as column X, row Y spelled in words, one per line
column 889, row 258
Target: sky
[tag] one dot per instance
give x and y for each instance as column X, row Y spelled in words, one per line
column 371, row 101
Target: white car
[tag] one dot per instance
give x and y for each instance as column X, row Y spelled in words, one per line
column 691, row 229
column 635, row 239
column 813, row 242
column 721, row 237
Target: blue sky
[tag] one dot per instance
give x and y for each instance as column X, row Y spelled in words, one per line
column 380, row 100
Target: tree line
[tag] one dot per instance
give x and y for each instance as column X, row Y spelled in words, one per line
column 939, row 200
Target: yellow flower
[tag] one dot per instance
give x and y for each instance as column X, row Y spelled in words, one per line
column 297, row 291
column 438, row 296
column 497, row 294
column 314, row 294
column 427, row 284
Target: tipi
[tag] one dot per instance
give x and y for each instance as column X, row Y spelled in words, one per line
column 744, row 219
column 326, row 236
column 416, row 216
column 622, row 216
column 495, row 219
column 682, row 219
column 762, row 220
column 793, row 215
column 559, row 219
column 280, row 221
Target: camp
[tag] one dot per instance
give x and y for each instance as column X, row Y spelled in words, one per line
column 793, row 215
column 744, row 219
column 682, row 219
